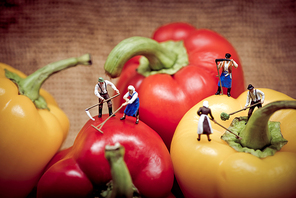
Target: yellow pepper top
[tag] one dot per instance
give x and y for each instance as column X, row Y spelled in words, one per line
column 29, row 136
column 215, row 169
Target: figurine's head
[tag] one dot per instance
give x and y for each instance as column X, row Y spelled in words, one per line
column 205, row 104
column 227, row 55
column 131, row 89
column 250, row 87
column 101, row 80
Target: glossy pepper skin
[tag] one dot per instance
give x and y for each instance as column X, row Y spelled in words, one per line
column 29, row 136
column 167, row 96
column 73, row 172
column 214, row 169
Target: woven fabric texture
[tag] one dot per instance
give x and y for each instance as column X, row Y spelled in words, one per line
column 36, row 33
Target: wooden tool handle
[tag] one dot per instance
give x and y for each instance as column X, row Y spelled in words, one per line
column 244, row 108
column 101, row 102
column 238, row 137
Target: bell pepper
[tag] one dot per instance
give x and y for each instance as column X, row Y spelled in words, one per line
column 250, row 168
column 82, row 169
column 176, row 70
column 32, row 126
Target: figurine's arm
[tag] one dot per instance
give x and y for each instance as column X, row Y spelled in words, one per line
column 125, row 97
column 135, row 96
column 248, row 100
column 234, row 63
column 212, row 117
column 220, row 65
column 199, row 112
column 262, row 96
column 112, row 85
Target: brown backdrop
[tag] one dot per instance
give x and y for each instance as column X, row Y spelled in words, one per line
column 35, row 33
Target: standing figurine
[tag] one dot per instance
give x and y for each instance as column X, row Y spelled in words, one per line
column 256, row 97
column 102, row 93
column 226, row 75
column 204, row 125
column 132, row 102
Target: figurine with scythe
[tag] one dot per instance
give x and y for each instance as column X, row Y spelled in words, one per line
column 102, row 93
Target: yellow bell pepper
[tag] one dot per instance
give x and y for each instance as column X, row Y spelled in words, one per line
column 32, row 126
column 215, row 169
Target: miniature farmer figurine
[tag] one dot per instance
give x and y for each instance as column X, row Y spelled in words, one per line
column 226, row 75
column 132, row 102
column 102, row 93
column 255, row 96
column 204, row 125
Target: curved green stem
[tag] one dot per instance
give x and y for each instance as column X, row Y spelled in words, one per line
column 31, row 85
column 161, row 56
column 256, row 134
column 122, row 181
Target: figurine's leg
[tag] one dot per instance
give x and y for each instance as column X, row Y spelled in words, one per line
column 218, row 91
column 109, row 105
column 209, row 139
column 250, row 113
column 110, row 111
column 100, row 112
column 198, row 139
column 137, row 120
column 123, row 117
column 228, row 92
column 100, row 108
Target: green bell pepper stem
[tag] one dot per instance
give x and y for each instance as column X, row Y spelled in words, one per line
column 256, row 134
column 31, row 85
column 159, row 57
column 122, row 181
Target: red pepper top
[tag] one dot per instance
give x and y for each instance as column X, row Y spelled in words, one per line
column 84, row 164
column 166, row 97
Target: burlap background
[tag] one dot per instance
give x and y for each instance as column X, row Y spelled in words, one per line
column 35, row 33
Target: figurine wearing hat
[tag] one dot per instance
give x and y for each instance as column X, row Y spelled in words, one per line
column 102, row 93
column 255, row 96
column 226, row 75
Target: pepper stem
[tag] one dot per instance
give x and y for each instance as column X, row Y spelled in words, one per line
column 162, row 57
column 31, row 85
column 256, row 134
column 122, row 181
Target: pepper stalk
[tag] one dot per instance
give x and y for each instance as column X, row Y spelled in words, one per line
column 260, row 136
column 166, row 57
column 31, row 85
column 122, row 185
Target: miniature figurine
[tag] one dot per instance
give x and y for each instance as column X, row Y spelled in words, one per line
column 256, row 97
column 102, row 93
column 132, row 102
column 204, row 125
column 226, row 75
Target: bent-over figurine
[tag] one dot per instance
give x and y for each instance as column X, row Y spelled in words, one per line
column 226, row 75
column 255, row 96
column 132, row 102
column 102, row 93
column 204, row 125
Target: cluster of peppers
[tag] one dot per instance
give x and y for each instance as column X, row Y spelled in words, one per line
column 171, row 72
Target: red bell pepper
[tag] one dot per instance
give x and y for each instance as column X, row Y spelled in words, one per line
column 181, row 72
column 75, row 172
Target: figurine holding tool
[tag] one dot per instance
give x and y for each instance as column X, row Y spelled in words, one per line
column 132, row 104
column 204, row 125
column 225, row 80
column 256, row 97
column 102, row 93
